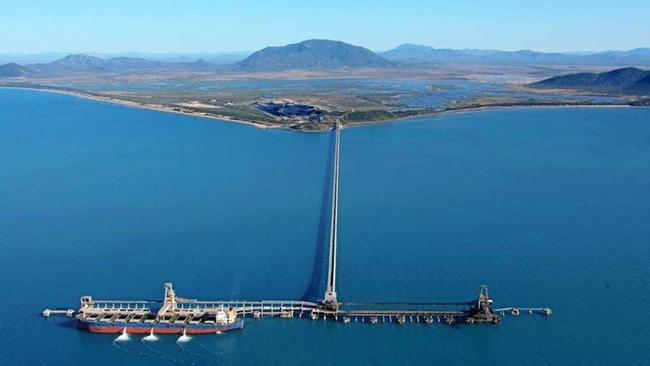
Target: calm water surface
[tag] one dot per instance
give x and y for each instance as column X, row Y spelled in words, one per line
column 547, row 206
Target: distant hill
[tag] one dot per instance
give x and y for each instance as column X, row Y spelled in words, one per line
column 412, row 53
column 69, row 64
column 626, row 80
column 82, row 63
column 312, row 54
column 77, row 63
column 12, row 70
column 212, row 58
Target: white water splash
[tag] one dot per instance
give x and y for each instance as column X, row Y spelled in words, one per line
column 123, row 337
column 184, row 338
column 151, row 337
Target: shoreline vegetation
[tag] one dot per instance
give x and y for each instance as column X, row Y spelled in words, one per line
column 347, row 118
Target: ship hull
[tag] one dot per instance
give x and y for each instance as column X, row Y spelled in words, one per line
column 158, row 328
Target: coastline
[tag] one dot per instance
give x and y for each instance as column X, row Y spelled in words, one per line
column 165, row 109
column 485, row 109
column 127, row 103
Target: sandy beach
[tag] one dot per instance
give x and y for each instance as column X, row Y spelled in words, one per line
column 154, row 107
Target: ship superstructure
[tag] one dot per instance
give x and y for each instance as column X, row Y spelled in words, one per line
column 175, row 316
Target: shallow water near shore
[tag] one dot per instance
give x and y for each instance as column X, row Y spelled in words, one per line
column 549, row 207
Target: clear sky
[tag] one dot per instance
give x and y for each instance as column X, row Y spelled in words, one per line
column 29, row 26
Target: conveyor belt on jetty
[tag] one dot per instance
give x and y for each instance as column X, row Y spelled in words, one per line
column 477, row 311
column 181, row 310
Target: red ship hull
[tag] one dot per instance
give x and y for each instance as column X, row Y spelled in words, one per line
column 143, row 328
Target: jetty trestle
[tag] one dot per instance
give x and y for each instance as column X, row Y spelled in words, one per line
column 174, row 309
column 471, row 312
column 329, row 299
column 477, row 311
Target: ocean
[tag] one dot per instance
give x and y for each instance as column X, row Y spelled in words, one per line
column 547, row 206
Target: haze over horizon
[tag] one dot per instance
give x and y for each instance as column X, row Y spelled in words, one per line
column 73, row 26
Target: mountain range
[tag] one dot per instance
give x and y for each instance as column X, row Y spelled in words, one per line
column 629, row 80
column 45, row 57
column 80, row 63
column 322, row 55
column 412, row 54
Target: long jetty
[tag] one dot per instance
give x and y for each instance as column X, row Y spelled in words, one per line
column 479, row 310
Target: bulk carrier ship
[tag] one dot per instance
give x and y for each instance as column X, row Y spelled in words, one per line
column 175, row 316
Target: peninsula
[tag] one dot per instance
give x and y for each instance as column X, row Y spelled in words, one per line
column 312, row 84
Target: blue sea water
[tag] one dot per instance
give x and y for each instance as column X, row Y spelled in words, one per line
column 546, row 206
